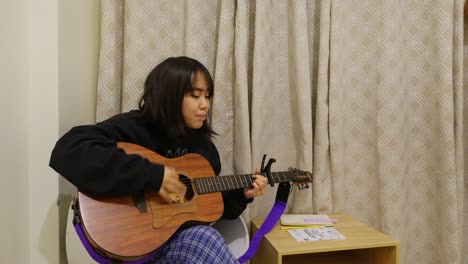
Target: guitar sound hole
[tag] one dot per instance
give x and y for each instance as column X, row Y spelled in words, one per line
column 188, row 183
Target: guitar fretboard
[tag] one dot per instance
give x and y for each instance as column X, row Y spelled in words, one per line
column 233, row 182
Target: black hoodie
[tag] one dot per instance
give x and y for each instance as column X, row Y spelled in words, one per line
column 89, row 158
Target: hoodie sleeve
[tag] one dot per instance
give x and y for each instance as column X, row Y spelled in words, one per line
column 89, row 158
column 235, row 203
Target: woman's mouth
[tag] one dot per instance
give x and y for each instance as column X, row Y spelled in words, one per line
column 201, row 117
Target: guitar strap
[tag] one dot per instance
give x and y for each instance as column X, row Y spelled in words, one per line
column 273, row 217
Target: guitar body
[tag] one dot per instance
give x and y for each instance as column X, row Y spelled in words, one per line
column 117, row 228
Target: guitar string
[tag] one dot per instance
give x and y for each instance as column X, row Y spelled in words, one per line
column 219, row 182
column 223, row 179
column 231, row 177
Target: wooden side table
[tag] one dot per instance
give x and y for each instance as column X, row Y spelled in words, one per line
column 363, row 245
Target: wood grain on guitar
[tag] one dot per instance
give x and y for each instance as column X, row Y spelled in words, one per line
column 119, row 230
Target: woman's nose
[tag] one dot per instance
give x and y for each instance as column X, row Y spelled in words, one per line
column 205, row 102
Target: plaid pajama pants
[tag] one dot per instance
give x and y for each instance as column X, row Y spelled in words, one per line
column 197, row 244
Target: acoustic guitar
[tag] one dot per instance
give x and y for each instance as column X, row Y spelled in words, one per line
column 130, row 228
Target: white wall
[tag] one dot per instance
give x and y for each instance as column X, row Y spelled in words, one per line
column 48, row 58
column 29, row 117
column 78, row 60
column 42, row 130
column 14, row 84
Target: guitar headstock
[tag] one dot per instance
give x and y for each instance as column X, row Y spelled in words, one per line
column 301, row 178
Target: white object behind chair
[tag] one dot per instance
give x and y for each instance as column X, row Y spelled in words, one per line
column 235, row 233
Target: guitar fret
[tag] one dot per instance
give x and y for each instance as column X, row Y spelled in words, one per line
column 210, row 184
column 216, row 185
column 282, row 174
column 224, row 185
column 285, row 177
column 233, row 182
column 195, row 182
column 274, row 176
column 279, row 175
column 229, row 183
column 236, row 183
column 219, row 185
column 198, row 186
column 241, row 181
column 202, row 187
column 205, row 186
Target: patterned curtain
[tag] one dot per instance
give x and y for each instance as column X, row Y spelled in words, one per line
column 366, row 94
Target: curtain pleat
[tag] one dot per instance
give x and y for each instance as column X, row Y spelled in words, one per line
column 109, row 87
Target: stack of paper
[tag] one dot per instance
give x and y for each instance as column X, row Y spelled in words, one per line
column 292, row 221
column 310, row 227
column 314, row 234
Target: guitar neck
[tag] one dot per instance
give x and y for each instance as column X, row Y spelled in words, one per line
column 232, row 182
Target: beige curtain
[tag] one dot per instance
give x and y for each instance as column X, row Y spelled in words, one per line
column 367, row 95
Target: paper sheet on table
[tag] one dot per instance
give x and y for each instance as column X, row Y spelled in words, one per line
column 314, row 234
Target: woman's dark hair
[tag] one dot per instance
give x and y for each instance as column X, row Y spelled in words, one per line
column 164, row 91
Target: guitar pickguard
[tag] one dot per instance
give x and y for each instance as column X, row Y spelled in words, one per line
column 163, row 212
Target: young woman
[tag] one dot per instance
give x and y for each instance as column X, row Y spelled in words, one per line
column 172, row 120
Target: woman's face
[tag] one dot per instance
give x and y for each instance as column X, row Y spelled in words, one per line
column 195, row 104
